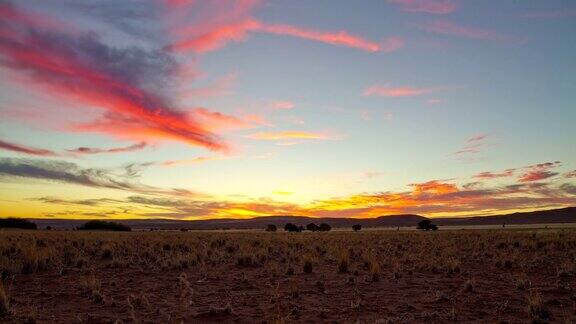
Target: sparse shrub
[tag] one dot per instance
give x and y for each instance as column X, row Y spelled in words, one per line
column 292, row 228
column 536, row 308
column 375, row 271
column 98, row 225
column 522, row 282
column 4, row 301
column 426, row 225
column 470, row 285
column 17, row 223
column 308, row 266
column 312, row 227
column 324, row 227
column 271, row 228
column 343, row 262
column 356, row 227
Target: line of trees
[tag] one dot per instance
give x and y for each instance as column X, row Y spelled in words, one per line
column 98, row 225
column 17, row 223
column 312, row 227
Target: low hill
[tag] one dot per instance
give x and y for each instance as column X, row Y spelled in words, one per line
column 564, row 215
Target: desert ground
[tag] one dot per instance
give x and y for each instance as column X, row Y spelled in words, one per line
column 507, row 275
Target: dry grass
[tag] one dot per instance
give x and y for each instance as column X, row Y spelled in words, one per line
column 4, row 302
column 381, row 262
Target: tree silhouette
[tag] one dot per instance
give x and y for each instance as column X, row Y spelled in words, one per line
column 292, row 228
column 312, row 227
column 426, row 225
column 356, row 227
column 271, row 228
column 324, row 227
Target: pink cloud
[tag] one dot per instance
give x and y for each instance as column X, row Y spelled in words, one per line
column 550, row 14
column 218, row 88
column 395, row 92
column 539, row 171
column 65, row 65
column 25, row 149
column 452, row 29
column 288, row 135
column 341, row 38
column 282, row 104
column 437, row 7
column 392, row 44
column 473, row 145
column 493, row 175
column 434, row 102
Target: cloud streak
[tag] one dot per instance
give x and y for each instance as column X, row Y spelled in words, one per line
column 288, row 135
column 70, row 173
column 13, row 147
column 436, row 7
column 92, row 150
column 395, row 92
column 448, row 28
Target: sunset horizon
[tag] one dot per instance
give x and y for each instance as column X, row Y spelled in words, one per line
column 189, row 110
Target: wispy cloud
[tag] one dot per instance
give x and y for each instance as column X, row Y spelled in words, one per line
column 19, row 148
column 473, row 145
column 539, row 172
column 437, row 7
column 550, row 14
column 288, row 135
column 93, row 150
column 395, row 92
column 66, row 172
column 234, row 22
column 443, row 27
column 282, row 104
column 486, row 175
column 341, row 38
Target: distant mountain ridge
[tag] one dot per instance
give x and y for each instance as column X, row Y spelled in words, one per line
column 563, row 215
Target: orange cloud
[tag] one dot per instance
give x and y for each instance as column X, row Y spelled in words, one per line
column 284, row 135
column 434, row 186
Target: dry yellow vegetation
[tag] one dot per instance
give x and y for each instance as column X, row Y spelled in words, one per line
column 463, row 275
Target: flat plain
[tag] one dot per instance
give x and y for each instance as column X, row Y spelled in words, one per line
column 506, row 275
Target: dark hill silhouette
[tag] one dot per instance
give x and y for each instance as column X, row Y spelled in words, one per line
column 564, row 215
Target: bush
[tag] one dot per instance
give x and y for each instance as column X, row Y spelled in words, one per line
column 271, row 228
column 426, row 225
column 17, row 223
column 97, row 225
column 312, row 227
column 292, row 228
column 356, row 227
column 324, row 227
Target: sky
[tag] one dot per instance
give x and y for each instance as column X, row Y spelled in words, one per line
column 191, row 109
